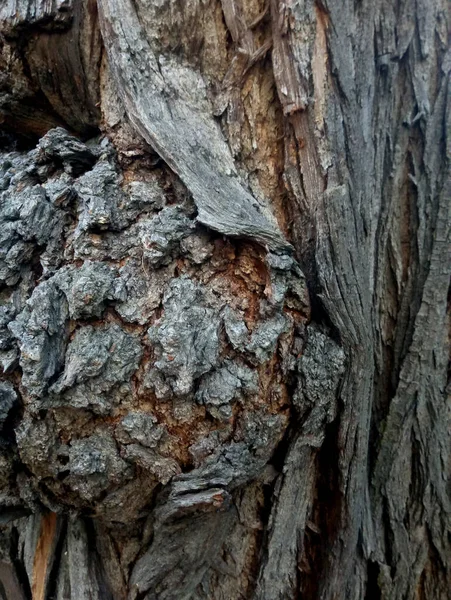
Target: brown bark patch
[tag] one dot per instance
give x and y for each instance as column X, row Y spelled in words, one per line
column 44, row 555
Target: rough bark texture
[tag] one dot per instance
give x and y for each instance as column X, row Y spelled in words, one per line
column 225, row 263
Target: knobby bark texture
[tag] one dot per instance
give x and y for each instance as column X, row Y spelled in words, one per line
column 225, row 263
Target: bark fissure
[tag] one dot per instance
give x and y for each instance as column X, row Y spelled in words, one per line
column 224, row 300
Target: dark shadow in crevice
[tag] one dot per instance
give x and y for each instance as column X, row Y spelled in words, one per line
column 19, row 565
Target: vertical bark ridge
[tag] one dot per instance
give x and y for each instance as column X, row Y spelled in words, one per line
column 367, row 125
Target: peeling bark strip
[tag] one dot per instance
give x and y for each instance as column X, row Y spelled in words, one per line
column 44, row 555
column 201, row 430
column 166, row 115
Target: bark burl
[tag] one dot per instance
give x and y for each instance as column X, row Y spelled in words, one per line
column 225, row 265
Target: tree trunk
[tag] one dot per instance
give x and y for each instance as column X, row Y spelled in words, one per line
column 224, row 331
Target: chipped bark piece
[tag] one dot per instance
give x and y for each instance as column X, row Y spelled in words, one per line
column 288, row 283
column 60, row 191
column 197, row 246
column 236, row 329
column 29, row 222
column 95, row 466
column 163, row 469
column 262, row 341
column 88, row 288
column 42, row 334
column 146, row 194
column 98, row 366
column 140, row 427
column 161, row 236
column 57, row 145
column 143, row 290
column 9, row 360
column 264, row 338
column 220, row 387
column 100, row 199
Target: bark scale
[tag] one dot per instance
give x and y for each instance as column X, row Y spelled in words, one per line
column 225, row 263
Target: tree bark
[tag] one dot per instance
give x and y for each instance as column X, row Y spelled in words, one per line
column 225, row 267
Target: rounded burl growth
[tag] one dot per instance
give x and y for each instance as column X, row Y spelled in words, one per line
column 141, row 352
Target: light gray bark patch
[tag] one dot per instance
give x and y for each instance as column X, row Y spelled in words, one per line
column 101, row 199
column 236, row 328
column 219, row 388
column 8, row 398
column 288, row 282
column 95, row 466
column 140, row 427
column 9, row 360
column 186, row 136
column 97, row 360
column 88, row 288
column 262, row 342
column 27, row 221
column 186, row 338
column 42, row 334
column 143, row 289
column 161, row 236
column 320, row 368
column 146, row 194
column 198, row 247
column 162, row 468
column 264, row 338
column 60, row 191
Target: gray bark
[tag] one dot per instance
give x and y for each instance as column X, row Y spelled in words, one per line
column 225, row 265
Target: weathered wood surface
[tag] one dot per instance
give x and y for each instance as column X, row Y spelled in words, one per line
column 200, row 431
column 168, row 106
